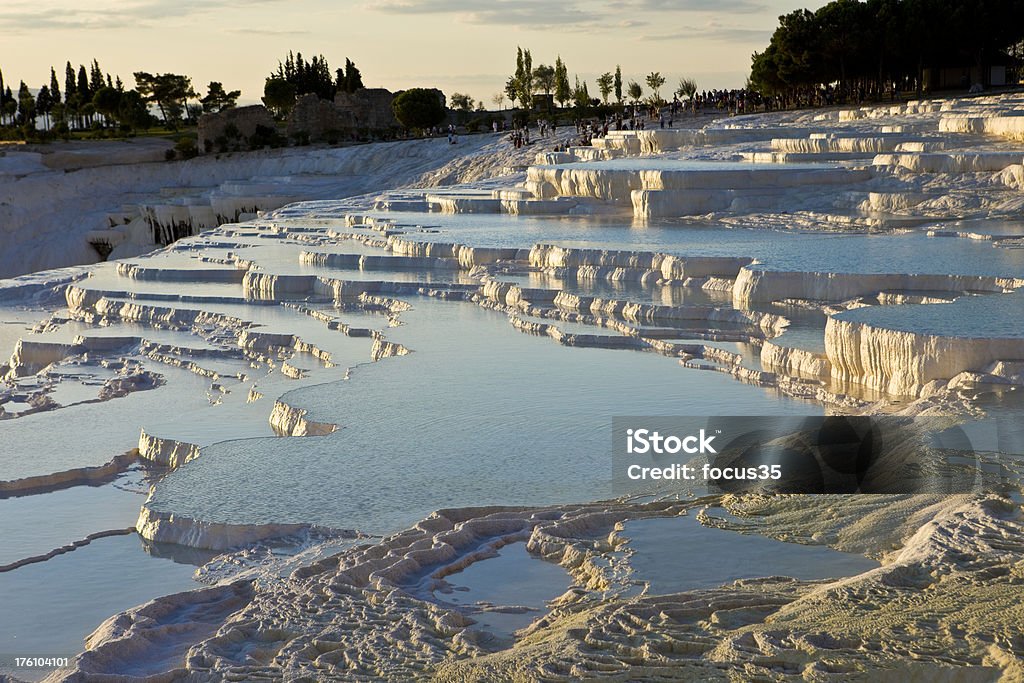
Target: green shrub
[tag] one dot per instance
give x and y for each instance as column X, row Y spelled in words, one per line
column 419, row 108
column 265, row 136
column 186, row 147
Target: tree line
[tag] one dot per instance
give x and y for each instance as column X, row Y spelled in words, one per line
column 552, row 82
column 860, row 50
column 91, row 99
column 295, row 77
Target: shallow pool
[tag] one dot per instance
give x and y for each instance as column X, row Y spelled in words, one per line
column 674, row 554
column 477, row 414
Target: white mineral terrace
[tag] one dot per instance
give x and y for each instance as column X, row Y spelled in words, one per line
column 126, row 202
column 339, row 412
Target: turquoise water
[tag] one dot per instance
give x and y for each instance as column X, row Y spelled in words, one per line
column 92, row 434
column 996, row 227
column 668, row 295
column 478, row 414
column 35, row 525
column 512, row 579
column 645, row 163
column 675, row 554
column 991, row 316
column 49, row 608
column 774, row 249
column 13, row 325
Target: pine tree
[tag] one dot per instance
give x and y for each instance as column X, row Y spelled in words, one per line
column 278, row 95
column 313, row 76
column 618, row 84
column 217, row 99
column 169, row 92
column 107, row 101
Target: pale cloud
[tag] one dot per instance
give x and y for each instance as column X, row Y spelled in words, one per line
column 571, row 14
column 267, row 32
column 717, row 6
column 716, row 32
column 19, row 17
column 460, row 78
column 524, row 13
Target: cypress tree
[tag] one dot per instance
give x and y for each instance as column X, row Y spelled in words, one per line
column 26, row 105
column 562, row 92
column 69, row 83
column 84, row 93
column 44, row 105
column 10, row 105
column 95, row 77
column 300, row 74
column 519, row 76
column 54, row 87
column 353, row 78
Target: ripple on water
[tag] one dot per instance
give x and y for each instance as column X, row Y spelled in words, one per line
column 36, row 524
column 478, row 414
column 878, row 253
column 992, row 316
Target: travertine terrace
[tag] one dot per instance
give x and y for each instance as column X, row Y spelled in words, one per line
column 269, row 374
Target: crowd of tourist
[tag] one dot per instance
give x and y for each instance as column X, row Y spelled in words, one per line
column 646, row 116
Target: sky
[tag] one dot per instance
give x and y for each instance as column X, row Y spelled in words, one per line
column 454, row 45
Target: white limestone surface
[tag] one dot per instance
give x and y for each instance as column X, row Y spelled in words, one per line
column 38, row 233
